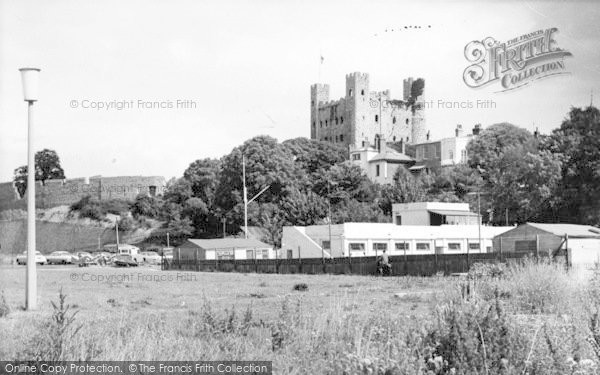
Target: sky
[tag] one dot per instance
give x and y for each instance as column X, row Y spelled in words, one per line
column 244, row 68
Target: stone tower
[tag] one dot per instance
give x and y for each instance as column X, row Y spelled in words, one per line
column 358, row 106
column 418, row 123
column 318, row 93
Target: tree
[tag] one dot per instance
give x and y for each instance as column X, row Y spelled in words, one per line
column 577, row 144
column 484, row 150
column 203, row 174
column 47, row 166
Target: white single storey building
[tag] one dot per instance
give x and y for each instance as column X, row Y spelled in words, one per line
column 223, row 249
column 370, row 239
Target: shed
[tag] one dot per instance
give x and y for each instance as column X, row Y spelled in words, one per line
column 224, row 249
column 581, row 241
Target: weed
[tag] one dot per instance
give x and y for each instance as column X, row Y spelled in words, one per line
column 301, row 287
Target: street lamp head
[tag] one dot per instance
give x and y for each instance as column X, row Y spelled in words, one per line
column 30, row 78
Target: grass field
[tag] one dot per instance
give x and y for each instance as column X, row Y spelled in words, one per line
column 534, row 318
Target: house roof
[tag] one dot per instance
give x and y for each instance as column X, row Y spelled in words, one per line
column 229, row 243
column 392, row 156
column 573, row 230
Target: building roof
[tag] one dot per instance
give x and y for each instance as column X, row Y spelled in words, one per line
column 228, row 243
column 384, row 231
column 452, row 213
column 573, row 230
column 392, row 156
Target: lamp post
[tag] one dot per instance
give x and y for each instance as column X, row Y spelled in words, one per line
column 29, row 77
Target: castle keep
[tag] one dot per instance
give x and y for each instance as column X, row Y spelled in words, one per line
column 364, row 117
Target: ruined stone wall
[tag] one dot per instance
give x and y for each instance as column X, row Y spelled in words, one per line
column 66, row 192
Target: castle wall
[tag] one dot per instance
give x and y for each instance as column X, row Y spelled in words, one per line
column 365, row 115
column 66, row 192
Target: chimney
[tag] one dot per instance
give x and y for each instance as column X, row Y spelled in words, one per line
column 476, row 129
column 459, row 130
column 536, row 133
column 383, row 145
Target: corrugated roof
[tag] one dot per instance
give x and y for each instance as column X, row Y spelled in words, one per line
column 228, row 243
column 573, row 230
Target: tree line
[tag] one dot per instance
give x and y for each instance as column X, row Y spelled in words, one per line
column 520, row 177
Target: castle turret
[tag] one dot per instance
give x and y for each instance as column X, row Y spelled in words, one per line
column 419, row 129
column 357, row 106
column 319, row 93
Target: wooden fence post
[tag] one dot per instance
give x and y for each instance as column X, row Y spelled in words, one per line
column 405, row 261
column 537, row 246
column 299, row 261
column 255, row 264
column 197, row 266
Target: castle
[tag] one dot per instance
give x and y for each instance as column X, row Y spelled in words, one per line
column 59, row 192
column 363, row 117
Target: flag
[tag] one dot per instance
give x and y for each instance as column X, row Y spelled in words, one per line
column 322, row 59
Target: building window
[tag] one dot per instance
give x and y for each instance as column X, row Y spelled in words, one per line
column 336, row 120
column 398, row 219
column 225, row 254
column 422, row 245
column 355, row 156
column 312, row 102
column 356, row 246
column 290, row 253
column 407, row 139
column 341, row 138
column 463, row 156
column 326, row 139
column 451, row 155
column 377, row 170
column 376, row 118
column 363, row 143
column 342, row 119
column 326, row 245
column 473, row 246
column 394, row 138
column 394, row 120
column 326, row 123
column 379, row 246
column 362, row 92
column 454, row 246
column 350, row 93
column 402, row 246
column 321, row 123
column 407, row 124
column 152, row 190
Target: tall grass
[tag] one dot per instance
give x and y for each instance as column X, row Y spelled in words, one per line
column 531, row 318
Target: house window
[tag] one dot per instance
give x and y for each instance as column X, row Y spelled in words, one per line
column 341, row 138
column 454, row 246
column 356, row 246
column 290, row 253
column 362, row 92
column 422, row 245
column 473, row 246
column 350, row 93
column 398, row 219
column 326, row 245
column 225, row 254
column 326, row 124
column 355, row 156
column 152, row 190
column 377, row 170
column 376, row 118
column 394, row 120
column 402, row 246
column 379, row 246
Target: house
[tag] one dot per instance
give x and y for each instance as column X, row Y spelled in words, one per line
column 223, row 249
column 442, row 153
column 380, row 163
column 582, row 242
column 433, row 213
column 370, row 239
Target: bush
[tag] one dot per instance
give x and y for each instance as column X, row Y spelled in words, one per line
column 301, row 287
column 4, row 306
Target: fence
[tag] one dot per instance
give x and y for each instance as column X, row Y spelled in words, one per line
column 413, row 265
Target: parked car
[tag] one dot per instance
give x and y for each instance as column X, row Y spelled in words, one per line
column 60, row 257
column 150, row 257
column 84, row 259
column 125, row 260
column 39, row 258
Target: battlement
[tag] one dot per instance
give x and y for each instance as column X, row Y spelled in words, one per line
column 58, row 192
column 357, row 75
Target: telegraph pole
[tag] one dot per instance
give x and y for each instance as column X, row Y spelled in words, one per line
column 245, row 197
